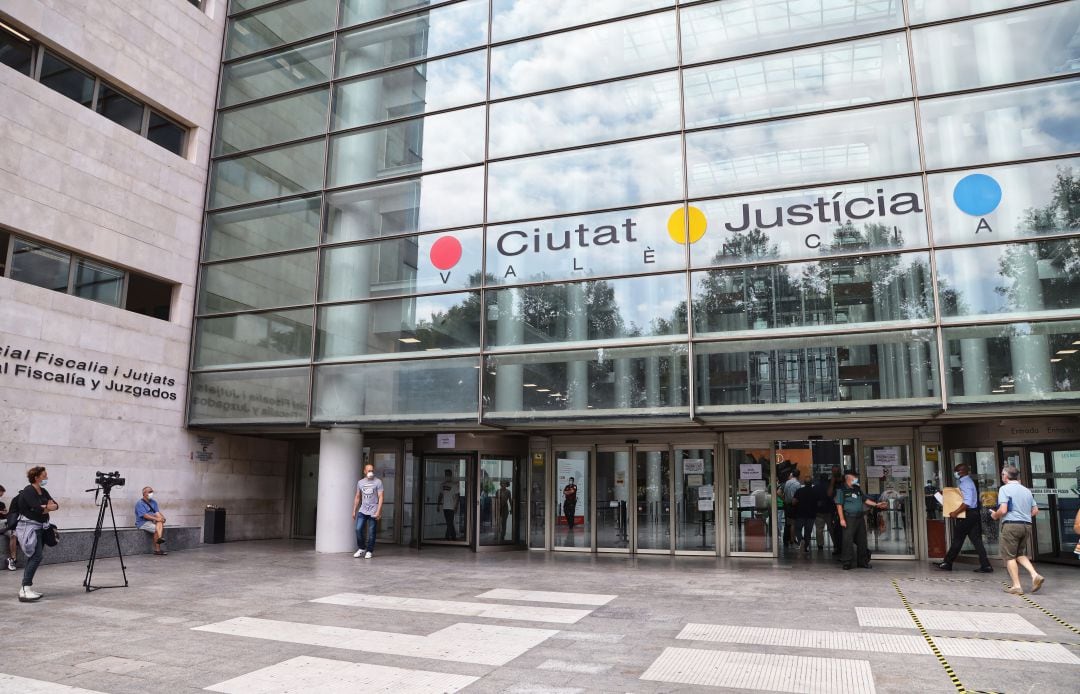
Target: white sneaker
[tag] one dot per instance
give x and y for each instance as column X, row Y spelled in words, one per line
column 10, row 564
column 27, row 594
column 367, row 555
column 358, row 553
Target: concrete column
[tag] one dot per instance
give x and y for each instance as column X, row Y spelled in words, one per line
column 1030, row 353
column 975, row 366
column 341, row 453
column 510, row 330
column 577, row 329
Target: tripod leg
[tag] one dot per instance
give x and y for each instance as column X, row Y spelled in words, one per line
column 94, row 546
column 119, row 552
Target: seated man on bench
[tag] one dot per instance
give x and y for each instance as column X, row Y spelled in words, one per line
column 148, row 517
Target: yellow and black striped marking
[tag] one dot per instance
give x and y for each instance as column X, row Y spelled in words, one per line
column 960, row 688
column 1046, row 612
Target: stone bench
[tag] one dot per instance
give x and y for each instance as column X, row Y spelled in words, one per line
column 75, row 543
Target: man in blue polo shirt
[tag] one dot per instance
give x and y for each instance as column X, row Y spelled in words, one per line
column 148, row 517
column 1016, row 510
column 968, row 527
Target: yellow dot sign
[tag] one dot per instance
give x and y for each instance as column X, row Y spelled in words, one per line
column 677, row 225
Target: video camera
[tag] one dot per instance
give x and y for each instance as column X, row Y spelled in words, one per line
column 108, row 480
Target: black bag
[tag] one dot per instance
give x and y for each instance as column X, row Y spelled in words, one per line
column 13, row 514
column 50, row 536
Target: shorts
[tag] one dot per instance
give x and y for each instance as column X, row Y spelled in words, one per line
column 148, row 527
column 1015, row 540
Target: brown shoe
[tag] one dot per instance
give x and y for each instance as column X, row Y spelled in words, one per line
column 1014, row 590
column 1036, row 583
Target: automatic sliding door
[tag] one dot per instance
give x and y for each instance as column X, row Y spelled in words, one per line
column 652, row 482
column 750, row 500
column 500, row 489
column 613, row 499
column 447, row 500
column 695, row 500
column 886, row 475
column 1055, row 483
column 573, row 526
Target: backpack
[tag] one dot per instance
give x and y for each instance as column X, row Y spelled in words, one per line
column 13, row 513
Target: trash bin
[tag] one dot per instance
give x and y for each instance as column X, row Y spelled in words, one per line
column 214, row 525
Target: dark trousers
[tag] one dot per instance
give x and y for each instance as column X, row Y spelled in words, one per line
column 32, row 563
column 570, row 511
column 855, row 550
column 804, row 528
column 451, row 531
column 365, row 532
column 967, row 528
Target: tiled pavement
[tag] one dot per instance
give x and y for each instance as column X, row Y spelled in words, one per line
column 273, row 617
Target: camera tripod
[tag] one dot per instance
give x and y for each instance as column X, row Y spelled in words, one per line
column 106, row 502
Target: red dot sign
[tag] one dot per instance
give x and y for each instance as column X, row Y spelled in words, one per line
column 445, row 253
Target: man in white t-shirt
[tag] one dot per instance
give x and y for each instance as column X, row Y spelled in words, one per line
column 367, row 509
column 448, row 503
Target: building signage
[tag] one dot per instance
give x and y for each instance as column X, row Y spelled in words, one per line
column 445, row 440
column 978, row 195
column 21, row 362
column 205, row 449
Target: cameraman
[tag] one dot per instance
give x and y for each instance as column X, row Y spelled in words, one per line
column 33, row 505
column 148, row 517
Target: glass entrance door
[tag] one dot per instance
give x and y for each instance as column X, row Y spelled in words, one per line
column 695, row 500
column 751, row 511
column 573, row 517
column 652, row 490
column 499, row 520
column 886, row 474
column 614, row 498
column 1055, row 483
column 448, row 499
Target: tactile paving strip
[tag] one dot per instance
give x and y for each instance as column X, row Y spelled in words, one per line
column 948, row 620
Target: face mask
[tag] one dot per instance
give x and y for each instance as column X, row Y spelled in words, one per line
column 854, row 481
column 150, row 495
column 371, row 475
column 43, row 482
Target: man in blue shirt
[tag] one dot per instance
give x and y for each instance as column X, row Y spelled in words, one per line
column 148, row 517
column 1016, row 510
column 970, row 526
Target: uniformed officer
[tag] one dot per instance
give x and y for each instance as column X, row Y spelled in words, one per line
column 851, row 506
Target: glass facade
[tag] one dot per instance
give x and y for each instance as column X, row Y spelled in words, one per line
column 538, row 211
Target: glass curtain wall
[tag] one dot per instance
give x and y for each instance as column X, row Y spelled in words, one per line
column 522, row 210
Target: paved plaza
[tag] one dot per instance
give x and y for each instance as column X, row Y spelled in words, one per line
column 272, row 617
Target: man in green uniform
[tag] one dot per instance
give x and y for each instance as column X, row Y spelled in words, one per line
column 851, row 506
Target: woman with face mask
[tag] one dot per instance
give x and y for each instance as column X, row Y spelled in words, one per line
column 33, row 504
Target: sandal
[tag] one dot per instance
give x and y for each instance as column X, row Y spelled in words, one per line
column 1014, row 591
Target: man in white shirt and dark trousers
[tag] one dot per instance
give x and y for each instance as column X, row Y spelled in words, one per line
column 1016, row 506
column 968, row 527
column 367, row 508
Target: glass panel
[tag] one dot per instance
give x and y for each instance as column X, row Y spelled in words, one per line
column 307, row 495
column 1007, row 202
column 750, row 500
column 40, row 265
column 1014, row 47
column 1021, row 362
column 405, row 265
column 1029, row 278
column 887, row 477
column 1063, row 506
column 538, row 501
column 513, row 19
column 238, row 6
column 935, row 518
column 987, row 477
column 5, row 239
column 408, row 391
column 1020, row 123
column 63, row 77
column 267, row 75
column 612, row 111
column 279, row 226
column 1040, row 482
column 239, row 397
column 443, row 30
column 852, row 292
column 615, row 382
column 810, row 223
column 358, row 11
column 846, row 74
column 411, row 91
column 499, row 490
column 454, row 198
column 632, row 173
column 695, row 500
column 272, row 174
column 811, row 372
column 586, row 55
column 573, row 521
column 98, row 282
column 613, row 499
column 564, row 314
column 16, row 53
column 283, row 280
column 444, row 322
column 164, row 133
column 864, row 143
column 737, row 27
column 408, row 496
column 446, row 499
column 386, row 469
column 272, row 122
column 931, row 10
column 279, row 25
column 120, row 109
column 253, row 339
column 408, row 147
column 581, row 246
column 652, row 483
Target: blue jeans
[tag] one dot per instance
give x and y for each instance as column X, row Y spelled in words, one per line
column 365, row 541
column 32, row 563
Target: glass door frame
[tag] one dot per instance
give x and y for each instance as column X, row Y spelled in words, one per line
column 1062, row 555
column 520, row 473
column 471, row 486
column 631, row 497
column 917, row 515
column 741, row 442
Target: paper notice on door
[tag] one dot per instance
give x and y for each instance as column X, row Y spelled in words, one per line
column 875, row 471
column 695, row 480
column 705, row 491
column 900, row 471
column 937, row 495
column 744, row 486
column 705, row 504
column 749, row 471
column 887, row 456
column 757, row 485
column 694, row 466
column 746, row 501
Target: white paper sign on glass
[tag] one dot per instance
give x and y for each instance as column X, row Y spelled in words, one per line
column 900, row 471
column 749, row 471
column 705, row 504
column 875, row 471
column 446, row 440
column 694, row 466
column 746, row 501
column 887, row 456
